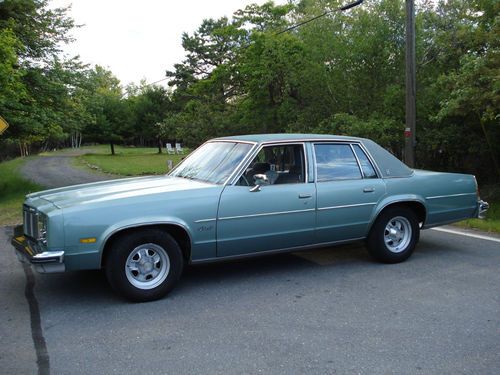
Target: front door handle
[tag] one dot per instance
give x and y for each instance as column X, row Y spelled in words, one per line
column 369, row 189
column 304, row 195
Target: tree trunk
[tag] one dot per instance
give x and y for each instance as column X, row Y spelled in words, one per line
column 159, row 146
column 112, row 148
column 23, row 149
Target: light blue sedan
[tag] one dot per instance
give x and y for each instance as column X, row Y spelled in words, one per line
column 237, row 197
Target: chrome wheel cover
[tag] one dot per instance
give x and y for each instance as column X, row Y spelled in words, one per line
column 397, row 234
column 147, row 266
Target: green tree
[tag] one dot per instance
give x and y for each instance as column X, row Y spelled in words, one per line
column 272, row 68
column 31, row 98
column 110, row 114
column 149, row 106
column 458, row 87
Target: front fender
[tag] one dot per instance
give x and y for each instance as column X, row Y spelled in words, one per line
column 138, row 223
column 88, row 255
column 141, row 222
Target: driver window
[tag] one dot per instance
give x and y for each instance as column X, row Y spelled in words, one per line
column 274, row 165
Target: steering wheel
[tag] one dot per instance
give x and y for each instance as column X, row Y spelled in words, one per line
column 242, row 180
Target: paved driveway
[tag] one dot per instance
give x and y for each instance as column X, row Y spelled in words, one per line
column 57, row 170
column 329, row 312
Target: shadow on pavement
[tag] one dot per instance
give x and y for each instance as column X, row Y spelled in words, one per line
column 92, row 287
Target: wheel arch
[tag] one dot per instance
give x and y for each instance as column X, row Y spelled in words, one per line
column 415, row 204
column 177, row 231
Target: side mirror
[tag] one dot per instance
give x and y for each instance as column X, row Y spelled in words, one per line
column 259, row 180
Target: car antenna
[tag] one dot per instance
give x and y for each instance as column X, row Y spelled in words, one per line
column 341, row 9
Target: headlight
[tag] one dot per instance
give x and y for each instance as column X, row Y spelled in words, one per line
column 42, row 228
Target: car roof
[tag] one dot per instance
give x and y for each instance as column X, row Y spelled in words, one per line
column 260, row 138
column 388, row 164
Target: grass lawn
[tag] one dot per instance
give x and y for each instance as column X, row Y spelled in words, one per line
column 490, row 224
column 490, row 194
column 128, row 161
column 13, row 188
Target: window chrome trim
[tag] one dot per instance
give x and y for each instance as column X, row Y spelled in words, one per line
column 311, row 165
column 347, row 206
column 371, row 159
column 350, row 143
column 365, row 151
column 229, row 180
column 449, row 195
column 357, row 161
column 311, row 140
column 243, row 165
column 273, row 143
column 315, row 163
column 230, row 140
column 266, row 214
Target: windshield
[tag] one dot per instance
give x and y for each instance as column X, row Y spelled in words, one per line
column 213, row 162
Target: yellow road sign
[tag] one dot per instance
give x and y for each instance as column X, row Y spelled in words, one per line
column 3, row 125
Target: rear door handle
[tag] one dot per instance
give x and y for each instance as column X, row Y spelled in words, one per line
column 369, row 189
column 305, row 195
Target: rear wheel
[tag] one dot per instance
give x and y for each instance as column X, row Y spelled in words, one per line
column 144, row 265
column 394, row 235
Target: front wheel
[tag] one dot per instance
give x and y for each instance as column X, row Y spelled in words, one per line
column 144, row 265
column 394, row 235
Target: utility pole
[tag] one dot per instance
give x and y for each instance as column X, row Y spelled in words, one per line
column 410, row 130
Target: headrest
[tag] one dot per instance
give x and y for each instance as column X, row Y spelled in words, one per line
column 296, row 169
column 261, row 167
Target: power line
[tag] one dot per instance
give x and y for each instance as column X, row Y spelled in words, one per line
column 146, row 85
column 341, row 9
column 345, row 7
column 152, row 83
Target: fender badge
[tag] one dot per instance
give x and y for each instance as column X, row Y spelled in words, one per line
column 204, row 228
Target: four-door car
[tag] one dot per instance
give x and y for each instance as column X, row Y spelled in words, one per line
column 237, row 197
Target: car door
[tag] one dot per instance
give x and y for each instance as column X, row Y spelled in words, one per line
column 271, row 206
column 348, row 189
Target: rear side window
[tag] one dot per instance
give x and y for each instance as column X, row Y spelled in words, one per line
column 336, row 162
column 366, row 166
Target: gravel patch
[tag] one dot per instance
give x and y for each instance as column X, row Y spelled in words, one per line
column 57, row 171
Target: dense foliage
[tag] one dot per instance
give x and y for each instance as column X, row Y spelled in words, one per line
column 342, row 74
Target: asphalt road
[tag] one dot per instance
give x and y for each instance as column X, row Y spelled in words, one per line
column 333, row 311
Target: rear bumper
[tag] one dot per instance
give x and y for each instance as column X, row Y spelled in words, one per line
column 28, row 251
column 482, row 208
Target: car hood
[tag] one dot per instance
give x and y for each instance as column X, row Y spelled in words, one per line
column 115, row 189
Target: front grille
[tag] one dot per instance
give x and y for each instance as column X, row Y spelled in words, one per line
column 30, row 222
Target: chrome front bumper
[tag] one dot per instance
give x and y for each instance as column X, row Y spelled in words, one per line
column 28, row 251
column 482, row 208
